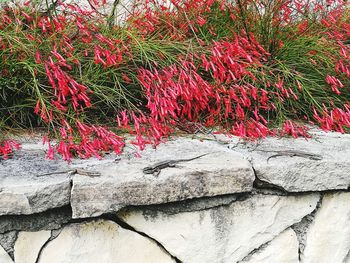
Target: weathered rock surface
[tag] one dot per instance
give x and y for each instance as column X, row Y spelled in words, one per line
column 298, row 174
column 223, row 171
column 282, row 249
column 123, row 183
column 222, row 234
column 7, row 241
column 24, row 191
column 28, row 245
column 196, row 204
column 47, row 220
column 102, row 241
column 4, row 257
column 328, row 239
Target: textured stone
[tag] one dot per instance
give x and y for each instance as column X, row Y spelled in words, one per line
column 283, row 248
column 298, row 174
column 23, row 191
column 24, row 187
column 4, row 257
column 222, row 234
column 28, row 245
column 7, row 241
column 328, row 238
column 196, row 204
column 47, row 220
column 123, row 183
column 303, row 226
column 102, row 241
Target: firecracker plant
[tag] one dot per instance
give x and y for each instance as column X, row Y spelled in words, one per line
column 251, row 68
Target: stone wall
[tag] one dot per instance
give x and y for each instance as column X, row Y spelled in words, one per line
column 276, row 200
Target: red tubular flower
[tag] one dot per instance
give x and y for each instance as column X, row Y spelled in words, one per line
column 51, row 152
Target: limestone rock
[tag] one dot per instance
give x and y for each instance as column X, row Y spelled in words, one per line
column 283, row 248
column 102, row 241
column 23, row 191
column 4, row 257
column 28, row 245
column 328, row 239
column 222, row 234
column 299, row 174
column 219, row 172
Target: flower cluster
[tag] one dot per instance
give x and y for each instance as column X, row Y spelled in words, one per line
column 250, row 68
column 94, row 140
column 6, row 147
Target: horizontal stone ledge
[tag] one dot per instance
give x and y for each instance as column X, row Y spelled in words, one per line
column 299, row 173
column 226, row 169
column 24, row 191
column 122, row 184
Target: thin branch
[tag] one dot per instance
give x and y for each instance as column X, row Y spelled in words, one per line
column 244, row 19
column 112, row 14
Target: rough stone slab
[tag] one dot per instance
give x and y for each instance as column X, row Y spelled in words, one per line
column 123, row 183
column 23, row 191
column 328, row 239
column 222, row 234
column 28, row 245
column 4, row 257
column 283, row 248
column 102, row 241
column 297, row 174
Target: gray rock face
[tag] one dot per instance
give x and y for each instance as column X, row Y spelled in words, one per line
column 51, row 219
column 101, row 241
column 23, row 191
column 299, row 174
column 123, row 183
column 7, row 241
column 328, row 239
column 222, row 234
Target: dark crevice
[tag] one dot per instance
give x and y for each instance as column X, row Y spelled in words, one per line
column 83, row 220
column 190, row 205
column 7, row 242
column 46, row 220
column 251, row 253
column 261, row 184
column 301, row 228
column 262, row 246
column 125, row 225
column 347, row 257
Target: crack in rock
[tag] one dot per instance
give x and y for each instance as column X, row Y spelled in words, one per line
column 301, row 228
column 47, row 220
column 347, row 258
column 86, row 242
column 191, row 205
column 247, row 224
column 281, row 248
column 126, row 226
column 54, row 234
column 7, row 241
column 251, row 253
column 261, row 184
